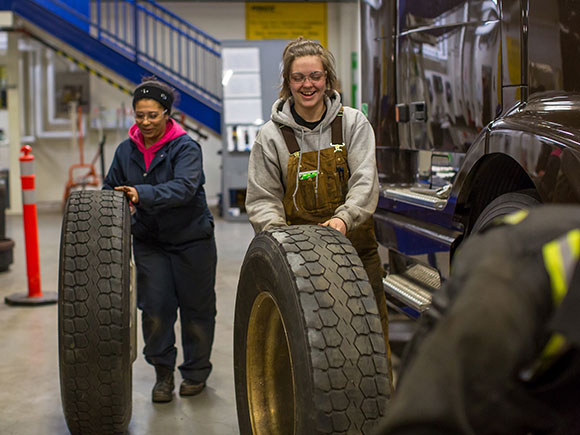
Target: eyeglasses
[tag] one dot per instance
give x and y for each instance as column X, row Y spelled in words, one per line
column 314, row 77
column 151, row 116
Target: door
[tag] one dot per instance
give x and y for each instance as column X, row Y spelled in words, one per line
column 448, row 80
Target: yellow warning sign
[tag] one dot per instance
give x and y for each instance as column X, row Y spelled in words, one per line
column 286, row 20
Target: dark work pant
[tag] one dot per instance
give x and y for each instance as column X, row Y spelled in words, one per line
column 171, row 278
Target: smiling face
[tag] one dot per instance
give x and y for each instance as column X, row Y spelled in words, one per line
column 151, row 118
column 308, row 93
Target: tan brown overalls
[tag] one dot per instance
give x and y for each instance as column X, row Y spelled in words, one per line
column 308, row 208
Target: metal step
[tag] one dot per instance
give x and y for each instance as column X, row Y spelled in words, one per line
column 424, row 275
column 411, row 195
column 413, row 288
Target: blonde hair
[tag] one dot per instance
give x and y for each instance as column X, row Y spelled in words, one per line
column 301, row 47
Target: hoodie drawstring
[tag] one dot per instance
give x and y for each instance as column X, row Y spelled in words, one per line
column 317, row 168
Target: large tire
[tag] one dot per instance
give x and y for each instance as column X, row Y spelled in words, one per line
column 94, row 313
column 504, row 205
column 309, row 352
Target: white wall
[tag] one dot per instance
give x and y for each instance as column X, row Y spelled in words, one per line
column 222, row 20
column 226, row 20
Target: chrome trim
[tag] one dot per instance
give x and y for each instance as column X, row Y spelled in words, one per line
column 525, row 11
column 425, row 275
column 441, row 193
column 447, row 26
column 411, row 197
column 407, row 292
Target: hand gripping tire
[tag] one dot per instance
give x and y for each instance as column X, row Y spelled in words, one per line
column 95, row 322
column 309, row 353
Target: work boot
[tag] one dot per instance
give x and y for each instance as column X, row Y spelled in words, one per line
column 163, row 388
column 191, row 388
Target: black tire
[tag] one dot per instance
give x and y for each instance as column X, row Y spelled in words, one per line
column 504, row 205
column 94, row 313
column 6, row 257
column 309, row 352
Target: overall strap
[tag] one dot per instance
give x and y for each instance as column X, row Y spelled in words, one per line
column 336, row 134
column 336, row 128
column 290, row 139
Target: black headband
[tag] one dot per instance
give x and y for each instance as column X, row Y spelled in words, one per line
column 154, row 93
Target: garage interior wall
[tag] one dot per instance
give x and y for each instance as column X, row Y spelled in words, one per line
column 54, row 155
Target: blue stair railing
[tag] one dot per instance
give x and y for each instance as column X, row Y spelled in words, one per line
column 162, row 42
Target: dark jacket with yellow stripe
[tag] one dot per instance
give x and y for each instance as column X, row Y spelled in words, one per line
column 499, row 351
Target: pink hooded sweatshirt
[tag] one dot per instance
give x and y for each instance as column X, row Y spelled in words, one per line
column 172, row 130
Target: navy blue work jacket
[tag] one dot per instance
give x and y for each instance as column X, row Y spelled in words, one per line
column 172, row 206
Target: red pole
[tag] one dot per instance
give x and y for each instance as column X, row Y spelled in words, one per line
column 30, row 218
column 27, row 178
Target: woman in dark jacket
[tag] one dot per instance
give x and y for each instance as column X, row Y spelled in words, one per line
column 160, row 170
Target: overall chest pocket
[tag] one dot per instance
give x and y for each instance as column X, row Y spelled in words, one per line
column 332, row 183
column 338, row 186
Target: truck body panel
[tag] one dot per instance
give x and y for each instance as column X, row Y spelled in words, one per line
column 469, row 100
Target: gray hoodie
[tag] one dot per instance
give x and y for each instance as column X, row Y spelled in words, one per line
column 268, row 166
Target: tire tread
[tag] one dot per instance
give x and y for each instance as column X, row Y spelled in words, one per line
column 338, row 305
column 95, row 369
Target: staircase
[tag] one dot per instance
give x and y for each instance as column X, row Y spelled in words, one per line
column 134, row 39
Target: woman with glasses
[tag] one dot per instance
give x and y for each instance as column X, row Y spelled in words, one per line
column 160, row 170
column 314, row 161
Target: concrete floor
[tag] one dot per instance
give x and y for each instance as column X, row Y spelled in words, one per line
column 29, row 377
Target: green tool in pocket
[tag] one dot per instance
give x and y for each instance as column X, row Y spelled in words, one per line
column 307, row 175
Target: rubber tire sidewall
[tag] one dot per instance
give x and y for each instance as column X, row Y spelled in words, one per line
column 506, row 204
column 265, row 278
column 94, row 312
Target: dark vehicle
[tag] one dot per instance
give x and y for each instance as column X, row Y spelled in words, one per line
column 476, row 109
